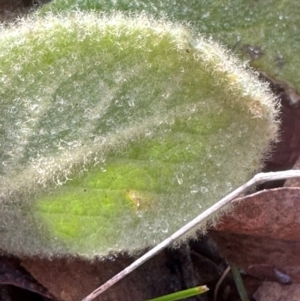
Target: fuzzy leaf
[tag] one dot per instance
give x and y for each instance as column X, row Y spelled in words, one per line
column 115, row 131
column 264, row 32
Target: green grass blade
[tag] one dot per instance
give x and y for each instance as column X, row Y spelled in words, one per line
column 239, row 283
column 183, row 294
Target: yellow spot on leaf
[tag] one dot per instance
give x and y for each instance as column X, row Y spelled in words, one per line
column 141, row 199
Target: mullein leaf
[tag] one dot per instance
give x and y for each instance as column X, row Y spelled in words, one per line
column 118, row 130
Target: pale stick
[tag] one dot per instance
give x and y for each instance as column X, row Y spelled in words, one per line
column 202, row 218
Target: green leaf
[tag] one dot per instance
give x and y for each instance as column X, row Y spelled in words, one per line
column 115, row 131
column 265, row 32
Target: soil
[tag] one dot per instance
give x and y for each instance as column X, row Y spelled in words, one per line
column 12, row 9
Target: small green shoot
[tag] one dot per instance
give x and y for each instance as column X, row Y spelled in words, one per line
column 239, row 282
column 198, row 290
